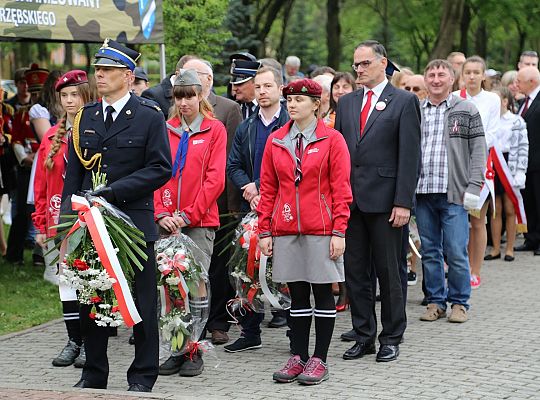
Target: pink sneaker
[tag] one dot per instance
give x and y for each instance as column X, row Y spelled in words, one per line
column 314, row 372
column 290, row 371
column 475, row 282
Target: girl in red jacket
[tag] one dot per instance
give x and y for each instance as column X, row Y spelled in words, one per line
column 51, row 165
column 189, row 200
column 303, row 213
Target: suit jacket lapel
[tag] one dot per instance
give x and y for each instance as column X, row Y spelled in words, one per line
column 99, row 121
column 386, row 97
column 122, row 121
column 212, row 99
column 532, row 106
column 355, row 112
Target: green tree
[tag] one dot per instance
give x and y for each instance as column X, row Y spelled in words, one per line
column 194, row 27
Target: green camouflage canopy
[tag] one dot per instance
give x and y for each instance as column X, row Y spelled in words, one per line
column 127, row 21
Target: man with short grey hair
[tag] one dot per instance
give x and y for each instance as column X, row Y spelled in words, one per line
column 528, row 82
column 292, row 68
column 451, row 177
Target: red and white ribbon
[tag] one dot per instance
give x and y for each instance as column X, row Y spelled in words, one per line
column 92, row 218
column 513, row 193
column 176, row 265
column 488, row 188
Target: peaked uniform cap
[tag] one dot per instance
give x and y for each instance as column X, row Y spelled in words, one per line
column 140, row 73
column 243, row 70
column 114, row 54
column 36, row 77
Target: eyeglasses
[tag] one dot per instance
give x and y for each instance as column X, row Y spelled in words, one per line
column 364, row 64
column 414, row 89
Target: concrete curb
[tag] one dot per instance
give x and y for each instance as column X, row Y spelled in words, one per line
column 30, row 330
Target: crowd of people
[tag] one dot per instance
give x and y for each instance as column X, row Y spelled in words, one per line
column 351, row 177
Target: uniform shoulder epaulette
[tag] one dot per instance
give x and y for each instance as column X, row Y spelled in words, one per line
column 149, row 103
column 91, row 104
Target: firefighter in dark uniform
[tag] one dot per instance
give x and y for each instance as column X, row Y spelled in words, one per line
column 125, row 137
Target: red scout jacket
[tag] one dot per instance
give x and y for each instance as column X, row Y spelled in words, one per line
column 48, row 184
column 203, row 178
column 320, row 204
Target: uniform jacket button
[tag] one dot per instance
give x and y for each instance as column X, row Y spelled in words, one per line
column 130, row 141
column 104, row 166
column 105, row 148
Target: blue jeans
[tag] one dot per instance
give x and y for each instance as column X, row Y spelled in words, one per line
column 441, row 223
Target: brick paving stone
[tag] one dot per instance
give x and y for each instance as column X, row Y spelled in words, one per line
column 492, row 356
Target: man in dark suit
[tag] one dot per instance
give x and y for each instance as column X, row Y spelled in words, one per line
column 528, row 81
column 127, row 137
column 161, row 94
column 381, row 125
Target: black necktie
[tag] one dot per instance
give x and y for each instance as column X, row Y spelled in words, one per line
column 299, row 151
column 109, row 119
column 248, row 109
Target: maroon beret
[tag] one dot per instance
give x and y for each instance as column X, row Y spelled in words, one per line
column 306, row 87
column 71, row 78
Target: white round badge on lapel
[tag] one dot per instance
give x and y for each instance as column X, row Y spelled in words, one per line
column 381, row 105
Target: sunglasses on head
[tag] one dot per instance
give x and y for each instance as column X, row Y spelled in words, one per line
column 413, row 88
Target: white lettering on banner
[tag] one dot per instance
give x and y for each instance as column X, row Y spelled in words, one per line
column 17, row 16
column 75, row 3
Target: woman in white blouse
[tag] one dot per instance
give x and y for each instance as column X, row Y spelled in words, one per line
column 489, row 106
column 513, row 143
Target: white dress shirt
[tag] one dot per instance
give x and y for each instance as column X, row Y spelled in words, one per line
column 118, row 105
column 377, row 91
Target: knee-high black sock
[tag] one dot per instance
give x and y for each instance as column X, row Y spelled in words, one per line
column 71, row 319
column 325, row 318
column 301, row 315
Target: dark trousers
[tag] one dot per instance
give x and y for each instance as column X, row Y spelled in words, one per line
column 403, row 264
column 251, row 322
column 531, row 200
column 371, row 237
column 22, row 218
column 220, row 285
column 144, row 368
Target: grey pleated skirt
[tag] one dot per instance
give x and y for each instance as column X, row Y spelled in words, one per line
column 305, row 258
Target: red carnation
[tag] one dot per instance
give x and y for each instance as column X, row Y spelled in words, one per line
column 178, row 303
column 96, row 299
column 92, row 315
column 80, row 265
column 114, row 309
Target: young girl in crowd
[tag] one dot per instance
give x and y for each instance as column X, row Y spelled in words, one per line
column 512, row 141
column 74, row 92
column 489, row 107
column 188, row 202
column 303, row 214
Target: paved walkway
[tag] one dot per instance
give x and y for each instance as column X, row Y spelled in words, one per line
column 496, row 355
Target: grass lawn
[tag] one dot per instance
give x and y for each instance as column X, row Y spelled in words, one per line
column 26, row 299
